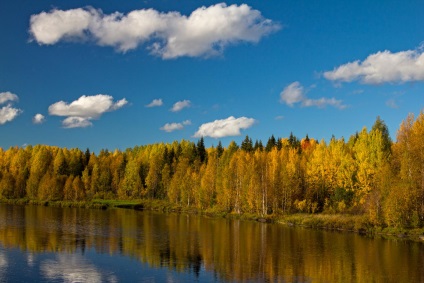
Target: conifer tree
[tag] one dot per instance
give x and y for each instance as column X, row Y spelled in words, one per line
column 293, row 141
column 271, row 143
column 247, row 145
column 201, row 150
column 87, row 155
column 219, row 149
column 258, row 146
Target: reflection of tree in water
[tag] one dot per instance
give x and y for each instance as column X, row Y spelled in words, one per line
column 195, row 263
column 170, row 256
column 231, row 250
column 165, row 256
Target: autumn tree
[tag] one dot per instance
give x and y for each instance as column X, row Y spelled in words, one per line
column 409, row 156
column 19, row 169
column 207, row 190
column 131, row 185
column 153, row 179
column 50, row 188
column 117, row 170
column 179, row 182
column 40, row 163
column 60, row 165
column 68, row 192
column 7, row 185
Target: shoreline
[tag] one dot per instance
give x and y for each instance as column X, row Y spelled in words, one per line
column 334, row 222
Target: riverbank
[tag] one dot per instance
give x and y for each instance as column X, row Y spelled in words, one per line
column 351, row 223
column 339, row 222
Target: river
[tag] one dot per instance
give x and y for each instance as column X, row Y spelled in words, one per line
column 47, row 244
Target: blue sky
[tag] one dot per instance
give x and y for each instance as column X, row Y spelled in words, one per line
column 115, row 74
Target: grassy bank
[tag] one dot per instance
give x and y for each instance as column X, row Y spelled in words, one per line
column 341, row 222
column 156, row 205
column 353, row 223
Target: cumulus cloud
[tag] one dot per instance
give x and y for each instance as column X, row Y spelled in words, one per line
column 155, row 103
column 180, row 105
column 86, row 106
column 170, row 127
column 8, row 96
column 224, row 128
column 38, row 119
column 294, row 93
column 51, row 27
column 8, row 113
column 76, row 122
column 205, row 32
column 382, row 67
column 81, row 111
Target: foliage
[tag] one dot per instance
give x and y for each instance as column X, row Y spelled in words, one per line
column 369, row 176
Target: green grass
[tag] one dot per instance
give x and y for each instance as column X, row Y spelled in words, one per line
column 355, row 223
column 130, row 204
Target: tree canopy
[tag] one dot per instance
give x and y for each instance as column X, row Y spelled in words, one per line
column 369, row 174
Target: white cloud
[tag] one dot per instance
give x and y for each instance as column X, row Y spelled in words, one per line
column 51, row 27
column 170, row 127
column 8, row 113
column 279, row 118
column 76, row 122
column 155, row 103
column 295, row 93
column 86, row 106
column 382, row 67
column 84, row 109
column 38, row 119
column 225, row 127
column 205, row 32
column 180, row 105
column 8, row 96
column 119, row 104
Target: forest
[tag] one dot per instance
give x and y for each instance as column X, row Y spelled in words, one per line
column 368, row 174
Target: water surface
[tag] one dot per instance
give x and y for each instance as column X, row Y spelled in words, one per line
column 47, row 244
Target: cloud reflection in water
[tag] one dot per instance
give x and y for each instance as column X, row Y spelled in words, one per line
column 73, row 268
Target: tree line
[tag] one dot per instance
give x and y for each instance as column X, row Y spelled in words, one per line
column 367, row 174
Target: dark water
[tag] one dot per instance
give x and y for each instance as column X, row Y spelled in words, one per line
column 47, row 244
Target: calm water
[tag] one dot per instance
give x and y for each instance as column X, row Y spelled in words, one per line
column 82, row 245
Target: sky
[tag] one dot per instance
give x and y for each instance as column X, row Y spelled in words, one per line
column 118, row 74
